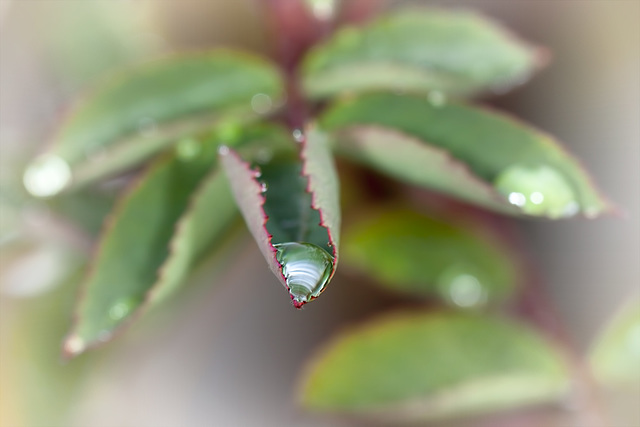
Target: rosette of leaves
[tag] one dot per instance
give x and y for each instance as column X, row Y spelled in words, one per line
column 209, row 138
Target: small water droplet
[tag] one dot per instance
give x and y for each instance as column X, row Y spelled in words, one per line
column 298, row 135
column 517, row 199
column 465, row 290
column 223, row 150
column 263, row 187
column 147, row 127
column 323, row 10
column 306, row 268
column 122, row 308
column 74, row 345
column 188, row 149
column 263, row 155
column 261, row 103
column 436, row 98
column 538, row 190
column 459, row 285
column 46, row 176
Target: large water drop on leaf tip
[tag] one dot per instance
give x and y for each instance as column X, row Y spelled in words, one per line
column 306, row 269
column 47, row 176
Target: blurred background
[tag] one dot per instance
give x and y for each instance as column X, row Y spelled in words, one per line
column 228, row 350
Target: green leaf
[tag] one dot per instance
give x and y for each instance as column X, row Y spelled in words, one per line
column 424, row 366
column 143, row 255
column 420, row 50
column 410, row 253
column 291, row 208
column 129, row 117
column 526, row 166
column 615, row 356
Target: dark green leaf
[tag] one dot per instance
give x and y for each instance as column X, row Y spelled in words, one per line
column 615, row 357
column 414, row 366
column 128, row 118
column 142, row 255
column 420, row 50
column 523, row 164
column 291, row 208
column 408, row 252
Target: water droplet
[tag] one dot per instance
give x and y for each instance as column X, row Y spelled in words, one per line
column 466, row 291
column 263, row 187
column 436, row 98
column 306, row 268
column 147, row 127
column 461, row 287
column 122, row 308
column 298, row 135
column 47, row 176
column 223, row 150
column 536, row 197
column 263, row 155
column 517, row 199
column 538, row 190
column 323, row 10
column 74, row 345
column 261, row 103
column 188, row 149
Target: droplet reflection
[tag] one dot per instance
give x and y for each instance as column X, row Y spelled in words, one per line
column 261, row 103
column 47, row 176
column 306, row 269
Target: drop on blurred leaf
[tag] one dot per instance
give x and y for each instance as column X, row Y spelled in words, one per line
column 407, row 252
column 534, row 175
column 130, row 117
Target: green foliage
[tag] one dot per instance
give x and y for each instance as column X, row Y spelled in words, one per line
column 419, row 366
column 515, row 158
column 408, row 252
column 418, row 51
column 202, row 127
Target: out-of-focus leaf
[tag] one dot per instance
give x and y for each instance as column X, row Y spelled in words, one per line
column 410, row 159
column 141, row 239
column 408, row 252
column 128, row 118
column 420, row 50
column 615, row 356
column 291, row 208
column 420, row 366
column 523, row 164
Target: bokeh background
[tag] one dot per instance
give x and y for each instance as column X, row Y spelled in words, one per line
column 228, row 350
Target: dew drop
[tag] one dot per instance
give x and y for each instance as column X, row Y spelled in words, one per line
column 261, row 103
column 538, row 190
column 46, row 176
column 263, row 186
column 298, row 135
column 458, row 285
column 306, row 269
column 436, row 98
column 122, row 308
column 74, row 345
column 188, row 149
column 323, row 10
column 223, row 150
